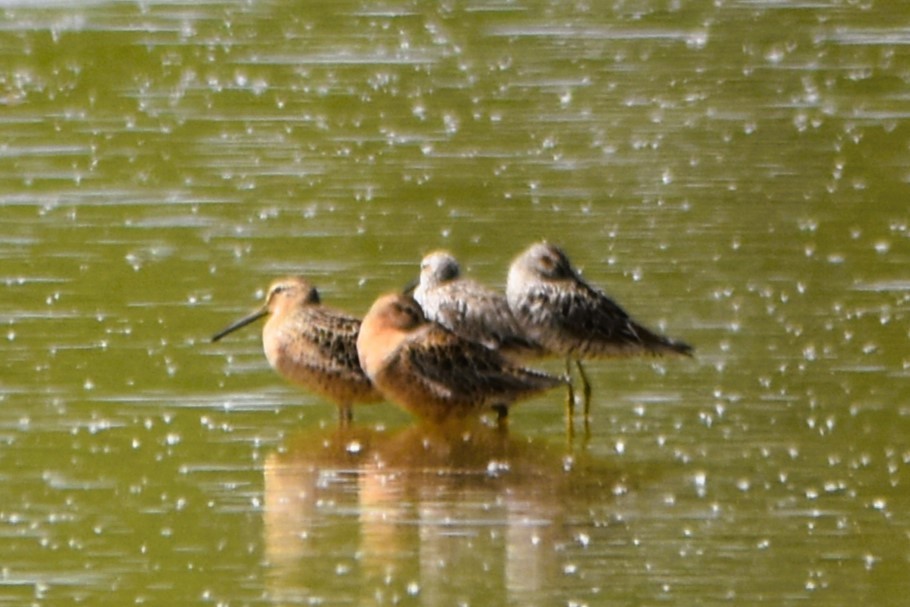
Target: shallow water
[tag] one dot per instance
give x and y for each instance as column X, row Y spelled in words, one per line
column 733, row 173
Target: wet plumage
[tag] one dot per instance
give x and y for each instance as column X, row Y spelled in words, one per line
column 432, row 372
column 468, row 308
column 311, row 345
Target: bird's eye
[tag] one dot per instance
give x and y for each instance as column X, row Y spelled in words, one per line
column 277, row 290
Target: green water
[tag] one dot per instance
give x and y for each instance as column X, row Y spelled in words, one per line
column 734, row 173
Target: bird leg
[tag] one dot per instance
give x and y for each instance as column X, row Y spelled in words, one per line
column 502, row 416
column 570, row 400
column 586, row 391
column 345, row 415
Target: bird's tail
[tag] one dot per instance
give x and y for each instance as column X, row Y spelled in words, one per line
column 661, row 345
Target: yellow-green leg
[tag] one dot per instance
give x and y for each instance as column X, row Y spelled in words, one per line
column 586, row 392
column 570, row 400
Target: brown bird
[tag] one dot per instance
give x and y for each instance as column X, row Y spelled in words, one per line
column 311, row 345
column 432, row 372
column 569, row 317
column 468, row 308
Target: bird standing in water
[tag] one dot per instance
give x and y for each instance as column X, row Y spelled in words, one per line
column 433, row 373
column 569, row 317
column 311, row 345
column 469, row 309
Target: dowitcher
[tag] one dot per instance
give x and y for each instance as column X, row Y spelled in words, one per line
column 311, row 345
column 468, row 308
column 569, row 317
column 432, row 372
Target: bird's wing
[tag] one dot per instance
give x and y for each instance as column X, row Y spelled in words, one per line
column 457, row 369
column 480, row 315
column 333, row 337
column 591, row 316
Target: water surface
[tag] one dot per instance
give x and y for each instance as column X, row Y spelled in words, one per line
column 733, row 173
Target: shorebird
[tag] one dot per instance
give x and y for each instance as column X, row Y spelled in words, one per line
column 469, row 309
column 569, row 317
column 433, row 373
column 311, row 345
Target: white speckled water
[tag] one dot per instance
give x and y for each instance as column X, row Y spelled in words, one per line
column 733, row 173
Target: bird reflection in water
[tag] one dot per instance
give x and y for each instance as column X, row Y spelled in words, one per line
column 426, row 511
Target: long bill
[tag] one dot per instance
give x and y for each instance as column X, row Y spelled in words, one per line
column 241, row 323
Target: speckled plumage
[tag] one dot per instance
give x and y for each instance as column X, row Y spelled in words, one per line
column 569, row 317
column 311, row 345
column 468, row 308
column 432, row 372
column 566, row 315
